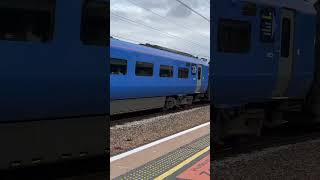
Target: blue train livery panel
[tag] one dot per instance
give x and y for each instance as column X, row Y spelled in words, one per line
column 144, row 77
column 50, row 67
column 53, row 80
column 262, row 50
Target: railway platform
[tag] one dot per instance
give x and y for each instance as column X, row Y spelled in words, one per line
column 185, row 155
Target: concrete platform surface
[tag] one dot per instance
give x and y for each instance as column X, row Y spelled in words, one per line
column 182, row 157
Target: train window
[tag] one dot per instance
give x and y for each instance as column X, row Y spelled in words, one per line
column 199, row 73
column 27, row 20
column 183, row 73
column 166, row 71
column 285, row 37
column 193, row 69
column 234, row 36
column 94, row 29
column 118, row 66
column 144, row 69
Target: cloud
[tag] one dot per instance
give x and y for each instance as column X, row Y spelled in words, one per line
column 179, row 11
column 180, row 29
column 155, row 4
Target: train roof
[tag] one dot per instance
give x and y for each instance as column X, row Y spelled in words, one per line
column 148, row 50
column 303, row 6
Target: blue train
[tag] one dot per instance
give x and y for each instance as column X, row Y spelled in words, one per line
column 264, row 64
column 53, row 80
column 144, row 78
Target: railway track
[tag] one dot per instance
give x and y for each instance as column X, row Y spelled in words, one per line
column 284, row 135
column 136, row 116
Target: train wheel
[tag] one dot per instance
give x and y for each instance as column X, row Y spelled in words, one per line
column 170, row 103
column 232, row 122
column 274, row 118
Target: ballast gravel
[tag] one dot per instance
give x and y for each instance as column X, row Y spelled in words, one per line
column 134, row 134
column 296, row 161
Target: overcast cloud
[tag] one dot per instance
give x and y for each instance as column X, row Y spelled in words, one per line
column 181, row 29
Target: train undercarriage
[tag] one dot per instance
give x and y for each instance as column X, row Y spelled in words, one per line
column 163, row 102
column 178, row 101
column 250, row 120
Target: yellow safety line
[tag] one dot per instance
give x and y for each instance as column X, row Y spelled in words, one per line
column 179, row 166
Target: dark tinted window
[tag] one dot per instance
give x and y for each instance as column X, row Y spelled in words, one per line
column 286, row 34
column 118, row 66
column 166, row 71
column 183, row 73
column 199, row 73
column 144, row 69
column 27, row 20
column 94, row 23
column 234, row 36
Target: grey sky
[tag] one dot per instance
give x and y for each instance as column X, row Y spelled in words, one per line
column 181, row 29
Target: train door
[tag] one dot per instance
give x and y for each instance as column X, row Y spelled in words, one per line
column 286, row 53
column 199, row 78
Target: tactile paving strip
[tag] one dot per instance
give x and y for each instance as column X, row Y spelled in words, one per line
column 163, row 164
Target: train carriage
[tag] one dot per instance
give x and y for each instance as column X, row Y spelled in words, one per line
column 263, row 53
column 144, row 78
column 53, row 80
